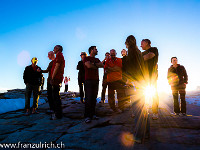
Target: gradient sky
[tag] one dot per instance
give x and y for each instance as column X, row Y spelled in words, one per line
column 31, row 28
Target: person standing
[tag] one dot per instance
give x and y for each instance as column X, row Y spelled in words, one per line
column 124, row 60
column 178, row 78
column 104, row 82
column 91, row 65
column 66, row 81
column 81, row 76
column 150, row 56
column 135, row 73
column 57, row 72
column 113, row 68
column 51, row 57
column 33, row 80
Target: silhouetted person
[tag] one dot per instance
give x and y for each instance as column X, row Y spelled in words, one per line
column 81, row 76
column 66, row 82
column 51, row 57
column 135, row 73
column 57, row 72
column 33, row 80
column 150, row 56
column 113, row 68
column 177, row 78
column 91, row 83
column 104, row 82
column 124, row 74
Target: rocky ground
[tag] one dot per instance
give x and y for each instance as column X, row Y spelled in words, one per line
column 111, row 132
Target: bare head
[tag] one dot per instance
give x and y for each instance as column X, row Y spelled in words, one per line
column 123, row 52
column 113, row 53
column 130, row 41
column 145, row 44
column 51, row 55
column 107, row 55
column 57, row 48
column 83, row 55
column 174, row 61
column 93, row 50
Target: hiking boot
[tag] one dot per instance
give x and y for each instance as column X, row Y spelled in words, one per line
column 82, row 101
column 53, row 116
column 88, row 120
column 174, row 114
column 27, row 113
column 49, row 111
column 182, row 114
column 138, row 140
column 95, row 117
column 155, row 116
column 34, row 111
column 101, row 102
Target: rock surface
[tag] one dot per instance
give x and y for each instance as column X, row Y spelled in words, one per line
column 111, row 132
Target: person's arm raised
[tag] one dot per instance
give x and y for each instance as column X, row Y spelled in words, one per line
column 149, row 56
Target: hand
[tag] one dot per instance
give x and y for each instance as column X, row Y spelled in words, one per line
column 38, row 70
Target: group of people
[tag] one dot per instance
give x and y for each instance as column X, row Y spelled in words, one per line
column 134, row 70
column 33, row 80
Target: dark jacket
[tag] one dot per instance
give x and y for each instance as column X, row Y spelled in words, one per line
column 151, row 65
column 177, row 76
column 81, row 73
column 134, row 64
column 32, row 76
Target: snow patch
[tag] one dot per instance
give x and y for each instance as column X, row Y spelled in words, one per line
column 15, row 104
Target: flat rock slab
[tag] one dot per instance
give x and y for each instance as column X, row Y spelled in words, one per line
column 111, row 131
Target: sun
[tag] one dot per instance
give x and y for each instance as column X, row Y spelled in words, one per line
column 149, row 93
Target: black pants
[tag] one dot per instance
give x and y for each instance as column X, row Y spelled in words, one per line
column 29, row 89
column 81, row 83
column 57, row 101
column 50, row 96
column 91, row 91
column 179, row 90
column 118, row 86
column 104, row 86
column 66, row 88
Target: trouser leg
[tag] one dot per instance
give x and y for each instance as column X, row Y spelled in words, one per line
column 35, row 96
column 91, row 91
column 183, row 102
column 111, row 97
column 81, row 90
column 66, row 88
column 120, row 95
column 176, row 103
column 88, row 99
column 104, row 86
column 57, row 101
column 94, row 96
column 50, row 96
column 28, row 96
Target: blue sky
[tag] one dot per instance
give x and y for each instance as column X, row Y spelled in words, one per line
column 31, row 28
